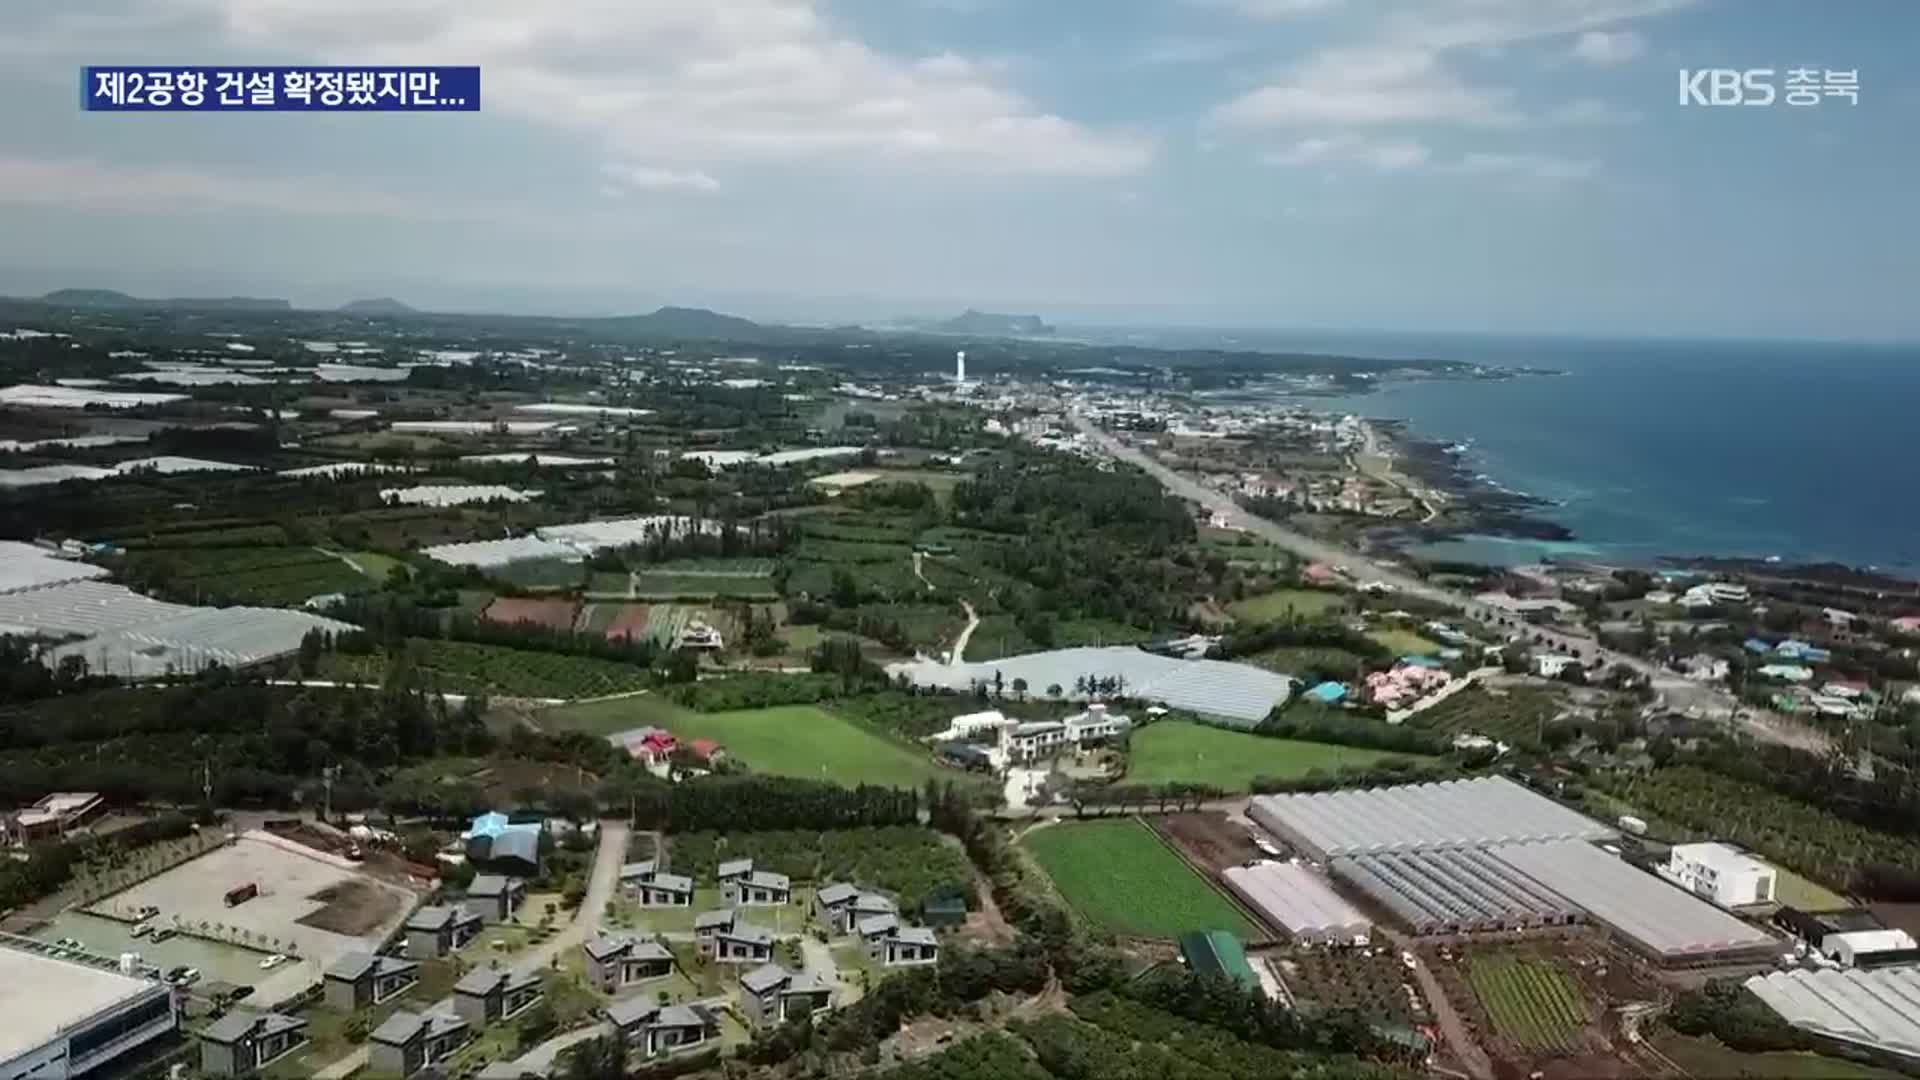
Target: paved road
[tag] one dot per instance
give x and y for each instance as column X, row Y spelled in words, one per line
column 1680, row 692
column 607, row 861
column 960, row 643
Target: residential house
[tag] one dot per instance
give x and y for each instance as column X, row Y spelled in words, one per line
column 634, row 874
column 742, row 944
column 760, row 888
column 732, row 870
column 51, row 817
column 1551, row 665
column 651, row 1030
column 495, row 843
column 436, row 930
column 496, row 897
column 770, row 994
column 487, row 995
column 409, row 1042
column 616, row 963
column 831, row 903
column 710, row 924
column 847, row 907
column 359, row 980
column 665, row 890
column 901, row 946
column 243, row 1042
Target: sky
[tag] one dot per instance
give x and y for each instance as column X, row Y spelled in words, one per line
column 1400, row 165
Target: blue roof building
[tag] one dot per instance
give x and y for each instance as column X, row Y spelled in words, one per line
column 1328, row 693
column 493, row 839
column 1757, row 647
column 1800, row 650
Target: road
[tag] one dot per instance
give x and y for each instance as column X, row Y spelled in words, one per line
column 960, row 644
column 607, row 860
column 1679, row 692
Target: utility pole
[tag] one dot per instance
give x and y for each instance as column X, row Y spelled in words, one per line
column 326, row 782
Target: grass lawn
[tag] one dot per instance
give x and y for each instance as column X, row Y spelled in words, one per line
column 1278, row 604
column 1119, row 875
column 790, row 740
column 374, row 565
column 1403, row 642
column 1177, row 750
column 1796, row 891
column 1708, row 1058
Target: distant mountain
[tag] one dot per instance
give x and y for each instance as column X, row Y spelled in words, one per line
column 108, row 298
column 385, row 305
column 680, row 322
column 990, row 323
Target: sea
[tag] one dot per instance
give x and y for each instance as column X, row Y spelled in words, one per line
column 1800, row 451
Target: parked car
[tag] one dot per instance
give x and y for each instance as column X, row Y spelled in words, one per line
column 274, row 961
column 184, row 976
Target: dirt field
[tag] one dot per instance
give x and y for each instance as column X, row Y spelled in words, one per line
column 629, row 621
column 1208, row 838
column 554, row 613
column 353, row 908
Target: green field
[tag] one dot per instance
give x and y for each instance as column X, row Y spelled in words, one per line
column 1794, row 890
column 791, row 740
column 1530, row 1002
column 1403, row 642
column 268, row 576
column 1515, row 715
column 1176, row 750
column 1268, row 607
column 1118, row 874
column 655, row 585
column 1708, row 1059
column 458, row 667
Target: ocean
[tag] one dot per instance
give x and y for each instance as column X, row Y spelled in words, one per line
column 1804, row 451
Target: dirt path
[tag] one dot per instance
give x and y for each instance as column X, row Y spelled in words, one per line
column 1453, row 1030
column 960, row 643
column 918, row 556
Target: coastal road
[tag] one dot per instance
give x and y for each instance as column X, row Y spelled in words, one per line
column 607, row 861
column 1679, row 692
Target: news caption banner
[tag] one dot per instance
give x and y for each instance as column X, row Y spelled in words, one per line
column 300, row 88
column 1758, row 86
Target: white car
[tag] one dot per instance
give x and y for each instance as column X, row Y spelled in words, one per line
column 273, row 961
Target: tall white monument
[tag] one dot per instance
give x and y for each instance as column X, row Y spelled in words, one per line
column 960, row 366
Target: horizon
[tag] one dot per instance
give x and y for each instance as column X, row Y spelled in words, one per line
column 1509, row 166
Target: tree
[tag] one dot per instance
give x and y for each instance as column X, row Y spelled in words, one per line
column 1020, row 688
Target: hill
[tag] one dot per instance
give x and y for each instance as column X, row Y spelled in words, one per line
column 109, row 298
column 991, row 323
column 680, row 322
column 385, row 305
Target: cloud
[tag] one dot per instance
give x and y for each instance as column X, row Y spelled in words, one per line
column 1386, row 85
column 1384, row 155
column 650, row 178
column 1274, row 9
column 81, row 183
column 1603, row 49
column 690, row 83
column 1589, row 112
column 1526, row 166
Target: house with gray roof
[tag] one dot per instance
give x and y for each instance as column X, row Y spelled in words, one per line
column 770, row 994
column 651, row 1030
column 665, row 890
column 616, row 963
column 437, row 929
column 708, row 924
column 635, row 874
column 842, row 907
column 486, row 995
column 756, row 888
column 732, row 870
column 909, row 945
column 359, row 980
column 243, row 1042
column 496, row 897
column 743, row 944
column 409, row 1042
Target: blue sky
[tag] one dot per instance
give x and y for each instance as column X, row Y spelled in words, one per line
column 1482, row 165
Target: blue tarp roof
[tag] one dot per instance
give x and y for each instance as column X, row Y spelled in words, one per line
column 1328, row 692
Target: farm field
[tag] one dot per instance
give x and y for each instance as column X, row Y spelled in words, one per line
column 1177, row 750
column 1513, row 715
column 1403, row 642
column 375, row 566
column 200, row 534
column 789, row 740
column 1283, row 602
column 1708, row 1057
column 1529, row 1001
column 267, row 576
column 1373, row 985
column 1305, row 659
column 1794, row 890
column 463, row 667
column 1788, row 833
column 1118, row 874
column 1000, row 636
column 913, row 865
column 555, row 613
column 541, row 573
column 661, row 585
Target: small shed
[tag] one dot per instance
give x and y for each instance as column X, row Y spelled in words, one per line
column 1218, row 953
column 945, row 910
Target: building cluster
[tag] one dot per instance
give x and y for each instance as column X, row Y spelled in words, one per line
column 992, row 741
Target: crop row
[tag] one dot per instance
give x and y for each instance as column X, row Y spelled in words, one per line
column 1529, row 1002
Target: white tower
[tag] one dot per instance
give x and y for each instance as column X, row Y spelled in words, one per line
column 960, row 366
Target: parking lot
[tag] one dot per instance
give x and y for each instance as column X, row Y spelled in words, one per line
column 316, row 905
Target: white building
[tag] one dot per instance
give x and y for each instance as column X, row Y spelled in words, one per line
column 1551, row 665
column 1850, row 948
column 1721, row 874
column 66, row 1017
column 1044, row 738
column 1714, row 592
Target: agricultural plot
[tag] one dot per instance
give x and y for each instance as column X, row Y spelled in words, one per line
column 1515, row 715
column 792, row 740
column 1178, row 751
column 654, row 585
column 1306, row 661
column 541, row 573
column 266, row 576
column 1001, row 636
column 1403, row 642
column 1282, row 603
column 1121, row 876
column 1789, row 833
column 1529, row 1001
column 464, row 668
column 1371, row 982
column 554, row 613
column 199, row 534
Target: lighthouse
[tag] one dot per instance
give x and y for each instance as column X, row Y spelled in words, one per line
column 960, row 366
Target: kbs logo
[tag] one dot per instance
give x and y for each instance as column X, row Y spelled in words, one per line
column 1755, row 86
column 1726, row 86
